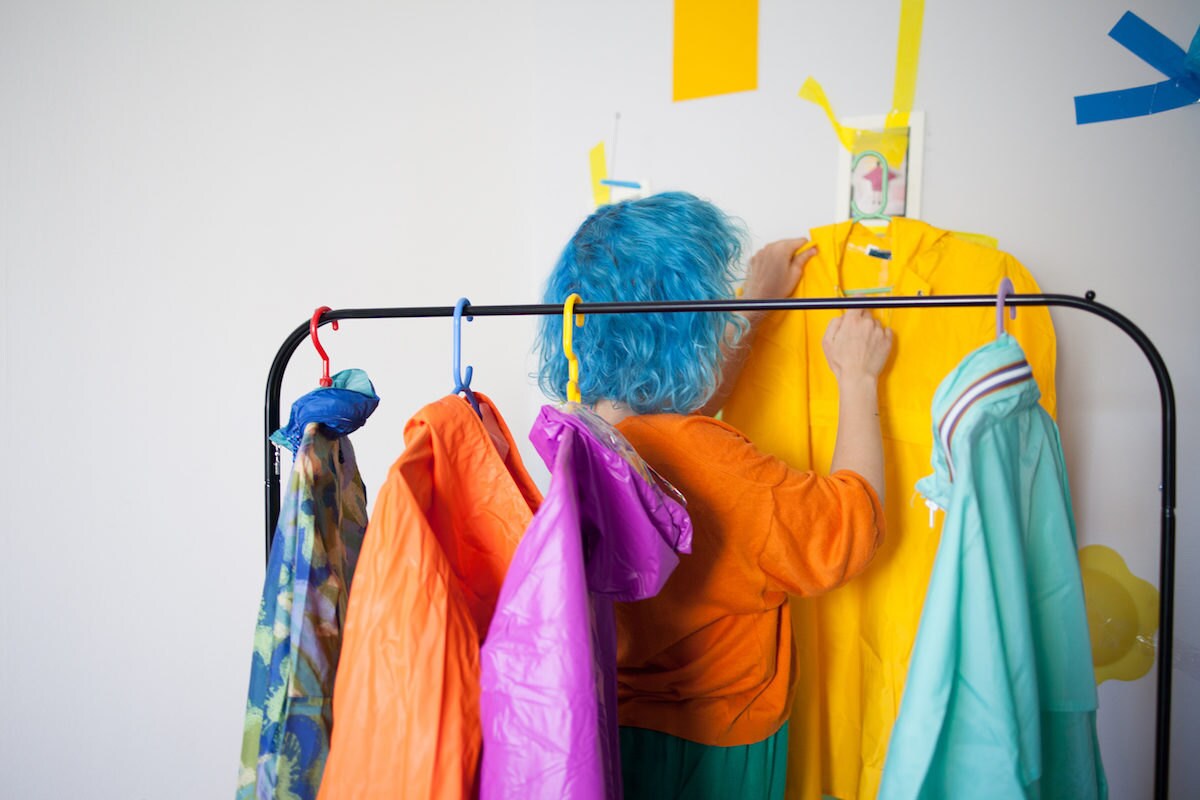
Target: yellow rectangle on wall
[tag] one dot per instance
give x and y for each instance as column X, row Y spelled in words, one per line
column 601, row 194
column 716, row 47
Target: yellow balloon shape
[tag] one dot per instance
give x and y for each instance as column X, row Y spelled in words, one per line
column 1122, row 611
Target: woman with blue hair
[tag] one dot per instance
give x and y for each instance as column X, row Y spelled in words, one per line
column 705, row 667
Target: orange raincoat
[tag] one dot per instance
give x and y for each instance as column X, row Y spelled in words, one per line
column 443, row 531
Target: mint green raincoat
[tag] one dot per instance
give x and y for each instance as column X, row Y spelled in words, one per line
column 1001, row 696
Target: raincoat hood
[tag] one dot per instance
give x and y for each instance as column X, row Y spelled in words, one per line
column 634, row 522
column 993, row 382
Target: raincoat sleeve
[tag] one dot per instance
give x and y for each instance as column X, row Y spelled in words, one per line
column 406, row 691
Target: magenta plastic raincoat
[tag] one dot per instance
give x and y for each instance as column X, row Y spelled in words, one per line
column 608, row 530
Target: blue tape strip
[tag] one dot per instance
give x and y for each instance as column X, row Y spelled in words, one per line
column 1147, row 43
column 623, row 184
column 1181, row 68
column 1136, row 102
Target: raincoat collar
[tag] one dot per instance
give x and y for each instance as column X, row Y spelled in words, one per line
column 992, row 382
column 904, row 238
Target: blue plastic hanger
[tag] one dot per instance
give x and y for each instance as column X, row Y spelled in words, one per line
column 462, row 384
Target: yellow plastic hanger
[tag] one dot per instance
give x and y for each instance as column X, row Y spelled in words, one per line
column 573, row 395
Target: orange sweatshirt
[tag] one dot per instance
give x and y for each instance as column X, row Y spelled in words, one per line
column 709, row 658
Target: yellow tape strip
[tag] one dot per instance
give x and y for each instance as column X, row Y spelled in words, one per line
column 814, row 93
column 908, row 51
column 601, row 194
column 893, row 146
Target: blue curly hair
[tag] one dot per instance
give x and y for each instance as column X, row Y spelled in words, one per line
column 670, row 246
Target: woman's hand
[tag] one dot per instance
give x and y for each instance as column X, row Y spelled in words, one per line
column 775, row 270
column 856, row 345
column 773, row 273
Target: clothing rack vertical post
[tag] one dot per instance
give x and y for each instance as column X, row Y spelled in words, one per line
column 1086, row 303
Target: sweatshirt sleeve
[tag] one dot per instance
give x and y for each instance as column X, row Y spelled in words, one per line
column 823, row 531
column 798, row 531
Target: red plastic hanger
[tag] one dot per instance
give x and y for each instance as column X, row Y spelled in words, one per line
column 312, row 332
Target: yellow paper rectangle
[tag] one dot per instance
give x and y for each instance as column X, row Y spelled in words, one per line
column 716, row 47
column 601, row 194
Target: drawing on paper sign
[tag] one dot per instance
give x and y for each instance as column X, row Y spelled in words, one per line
column 869, row 181
column 862, row 179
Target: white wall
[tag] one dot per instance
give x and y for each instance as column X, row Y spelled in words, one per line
column 1105, row 207
column 183, row 184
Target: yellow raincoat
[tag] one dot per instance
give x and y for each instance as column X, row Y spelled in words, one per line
column 853, row 644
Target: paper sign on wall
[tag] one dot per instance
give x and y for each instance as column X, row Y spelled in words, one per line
column 716, row 47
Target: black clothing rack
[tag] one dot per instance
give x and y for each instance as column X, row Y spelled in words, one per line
column 1086, row 303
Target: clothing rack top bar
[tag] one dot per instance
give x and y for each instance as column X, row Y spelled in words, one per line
column 1086, row 303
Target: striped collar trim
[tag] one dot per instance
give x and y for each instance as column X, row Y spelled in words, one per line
column 994, row 381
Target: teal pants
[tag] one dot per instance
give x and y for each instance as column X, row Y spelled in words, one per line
column 658, row 766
